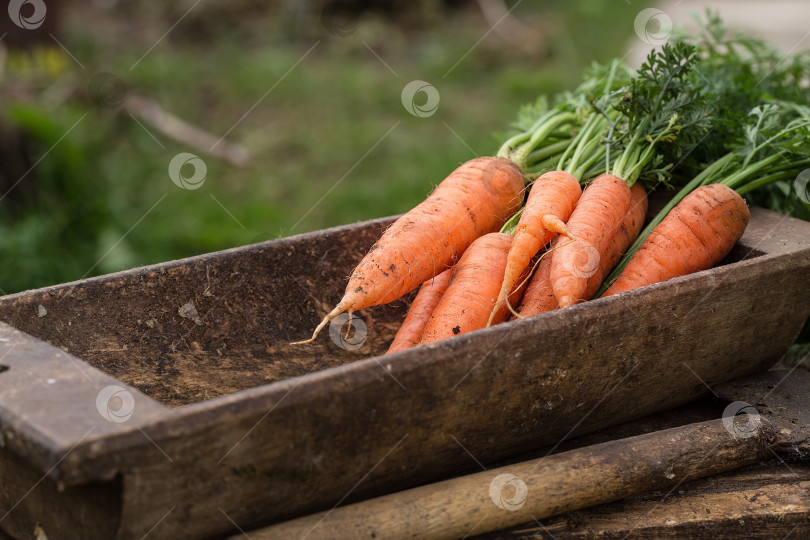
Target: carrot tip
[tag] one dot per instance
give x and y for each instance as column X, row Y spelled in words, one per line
column 349, row 325
column 567, row 301
column 315, row 333
column 511, row 309
column 340, row 308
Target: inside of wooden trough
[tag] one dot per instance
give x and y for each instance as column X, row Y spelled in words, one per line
column 191, row 330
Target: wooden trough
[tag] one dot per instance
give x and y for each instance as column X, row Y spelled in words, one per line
column 166, row 401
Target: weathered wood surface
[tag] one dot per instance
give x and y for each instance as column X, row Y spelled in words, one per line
column 537, row 489
column 29, row 501
column 769, row 500
column 338, row 425
column 49, row 405
column 782, row 399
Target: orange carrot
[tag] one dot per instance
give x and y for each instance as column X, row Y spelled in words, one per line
column 624, row 237
column 694, row 236
column 473, row 290
column 550, row 203
column 539, row 296
column 423, row 305
column 598, row 215
column 477, row 198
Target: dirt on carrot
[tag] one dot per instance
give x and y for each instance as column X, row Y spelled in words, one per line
column 596, row 219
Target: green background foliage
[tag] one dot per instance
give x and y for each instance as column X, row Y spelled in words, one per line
column 99, row 199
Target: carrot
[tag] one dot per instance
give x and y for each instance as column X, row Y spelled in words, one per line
column 622, row 239
column 694, row 236
column 551, row 200
column 473, row 289
column 423, row 305
column 598, row 215
column 477, row 198
column 539, row 296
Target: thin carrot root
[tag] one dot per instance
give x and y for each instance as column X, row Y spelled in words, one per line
column 340, row 308
column 349, row 324
column 539, row 297
column 502, row 299
column 512, row 311
column 505, row 300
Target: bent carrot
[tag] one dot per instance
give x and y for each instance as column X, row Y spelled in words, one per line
column 596, row 218
column 551, row 201
column 423, row 305
column 473, row 289
column 477, row 198
column 694, row 236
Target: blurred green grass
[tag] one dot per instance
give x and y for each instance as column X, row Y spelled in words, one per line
column 101, row 199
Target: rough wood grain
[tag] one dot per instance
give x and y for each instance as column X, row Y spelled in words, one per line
column 770, row 500
column 583, row 477
column 50, row 405
column 338, row 425
column 538, row 489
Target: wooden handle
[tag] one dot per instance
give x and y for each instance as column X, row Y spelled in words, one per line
column 535, row 489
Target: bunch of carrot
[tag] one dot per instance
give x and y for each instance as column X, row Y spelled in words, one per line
column 484, row 246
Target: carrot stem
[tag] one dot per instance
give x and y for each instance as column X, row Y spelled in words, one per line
column 584, row 140
column 551, row 150
column 521, row 155
column 764, row 181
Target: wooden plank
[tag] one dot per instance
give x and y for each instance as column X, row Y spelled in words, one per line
column 771, row 500
column 542, row 488
column 52, row 403
column 577, row 478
